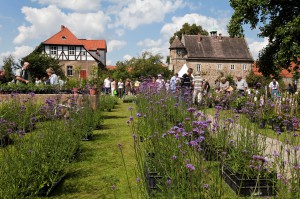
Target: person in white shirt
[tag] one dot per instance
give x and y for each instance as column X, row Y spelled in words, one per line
column 160, row 82
column 241, row 85
column 120, row 88
column 107, row 85
column 53, row 78
column 274, row 88
column 113, row 86
column 173, row 82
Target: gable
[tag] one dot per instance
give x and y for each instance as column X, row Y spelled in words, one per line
column 66, row 37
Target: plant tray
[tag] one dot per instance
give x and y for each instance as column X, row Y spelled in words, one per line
column 249, row 187
column 152, row 180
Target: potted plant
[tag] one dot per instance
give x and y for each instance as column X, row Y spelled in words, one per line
column 248, row 174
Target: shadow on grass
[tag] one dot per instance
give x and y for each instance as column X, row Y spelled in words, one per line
column 67, row 185
column 113, row 117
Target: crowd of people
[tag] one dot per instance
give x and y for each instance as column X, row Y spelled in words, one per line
column 22, row 76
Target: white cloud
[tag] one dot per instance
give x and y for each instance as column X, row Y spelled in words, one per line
column 140, row 12
column 120, row 32
column 206, row 22
column 256, row 46
column 46, row 21
column 127, row 57
column 109, row 62
column 77, row 5
column 161, row 49
column 115, row 45
column 18, row 53
column 149, row 43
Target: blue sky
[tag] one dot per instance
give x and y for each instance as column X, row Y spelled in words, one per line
column 130, row 27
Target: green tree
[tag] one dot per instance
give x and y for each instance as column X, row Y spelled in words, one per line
column 9, row 63
column 144, row 66
column 188, row 29
column 149, row 65
column 40, row 62
column 278, row 20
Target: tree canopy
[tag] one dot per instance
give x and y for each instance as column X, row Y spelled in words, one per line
column 188, row 30
column 39, row 63
column 144, row 66
column 278, row 20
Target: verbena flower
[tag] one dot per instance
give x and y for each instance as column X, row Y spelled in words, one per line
column 190, row 167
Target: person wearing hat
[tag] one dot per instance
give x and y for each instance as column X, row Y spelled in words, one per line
column 241, row 85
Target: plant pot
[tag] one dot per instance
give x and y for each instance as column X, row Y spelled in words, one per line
column 152, row 181
column 289, row 127
column 244, row 186
column 262, row 124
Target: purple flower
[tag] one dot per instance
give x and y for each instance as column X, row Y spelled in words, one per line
column 169, row 182
column 130, row 108
column 275, row 154
column 296, row 148
column 113, row 187
column 138, row 180
column 130, row 118
column 139, row 115
column 205, row 186
column 190, row 167
column 191, row 109
column 174, row 157
column 120, row 146
column 163, row 135
column 193, row 143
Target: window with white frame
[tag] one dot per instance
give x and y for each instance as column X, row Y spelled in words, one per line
column 244, row 66
column 53, row 50
column 232, row 67
column 198, row 67
column 219, row 66
column 69, row 70
column 72, row 50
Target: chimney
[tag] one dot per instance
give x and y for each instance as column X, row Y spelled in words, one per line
column 198, row 37
column 62, row 27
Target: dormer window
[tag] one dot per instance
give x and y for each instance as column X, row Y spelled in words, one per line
column 63, row 37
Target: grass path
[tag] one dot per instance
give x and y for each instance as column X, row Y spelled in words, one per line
column 100, row 165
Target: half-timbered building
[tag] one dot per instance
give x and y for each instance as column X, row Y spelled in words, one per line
column 78, row 57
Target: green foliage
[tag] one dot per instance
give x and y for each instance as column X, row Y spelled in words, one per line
column 8, row 62
column 188, row 29
column 144, row 66
column 253, row 79
column 39, row 63
column 279, row 22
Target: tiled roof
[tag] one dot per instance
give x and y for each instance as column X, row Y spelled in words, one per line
column 284, row 72
column 66, row 37
column 111, row 67
column 217, row 47
column 176, row 43
column 93, row 44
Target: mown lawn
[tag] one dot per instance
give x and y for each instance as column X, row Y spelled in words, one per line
column 99, row 165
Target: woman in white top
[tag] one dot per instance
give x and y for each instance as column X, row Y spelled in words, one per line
column 113, row 86
column 120, row 88
column 53, row 78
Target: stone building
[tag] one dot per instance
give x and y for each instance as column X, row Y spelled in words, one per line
column 213, row 56
column 78, row 57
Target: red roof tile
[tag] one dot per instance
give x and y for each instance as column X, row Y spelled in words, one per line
column 66, row 37
column 111, row 67
column 284, row 73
